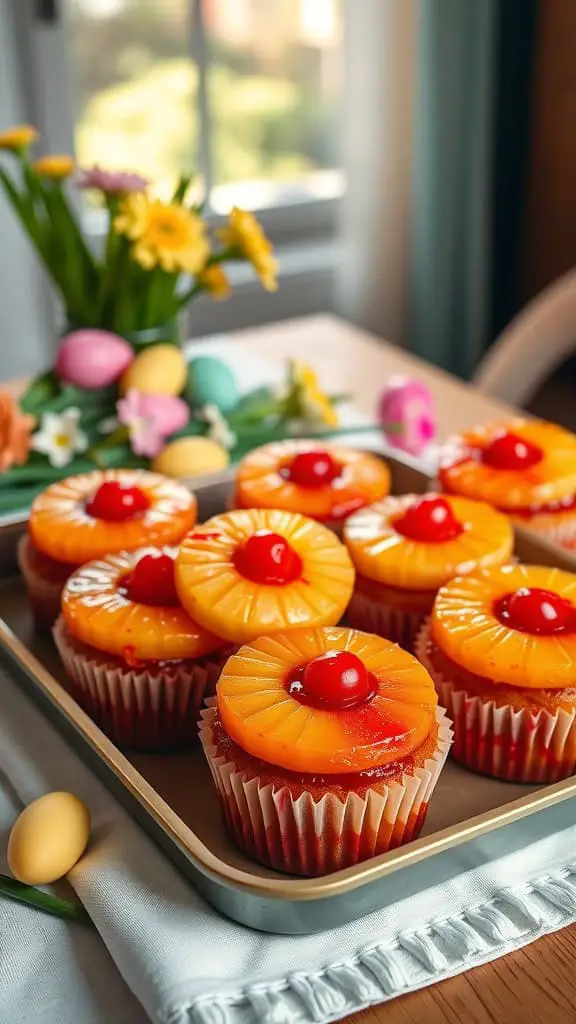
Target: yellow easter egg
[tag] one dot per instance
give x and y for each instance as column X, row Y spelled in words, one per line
column 191, row 456
column 48, row 838
column 158, row 370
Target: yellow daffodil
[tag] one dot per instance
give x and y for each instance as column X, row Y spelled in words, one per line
column 244, row 233
column 57, row 166
column 18, row 138
column 215, row 281
column 307, row 398
column 164, row 234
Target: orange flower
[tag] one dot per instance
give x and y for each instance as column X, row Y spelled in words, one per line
column 15, row 430
column 57, row 166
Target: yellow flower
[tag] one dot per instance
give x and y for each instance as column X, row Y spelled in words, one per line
column 215, row 281
column 19, row 137
column 243, row 232
column 56, row 166
column 312, row 403
column 164, row 234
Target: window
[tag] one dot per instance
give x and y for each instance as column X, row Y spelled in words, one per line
column 247, row 91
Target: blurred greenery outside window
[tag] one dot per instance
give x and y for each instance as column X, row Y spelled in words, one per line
column 249, row 90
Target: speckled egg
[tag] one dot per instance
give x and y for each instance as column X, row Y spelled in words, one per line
column 212, row 382
column 158, row 370
column 48, row 838
column 191, row 456
column 92, row 359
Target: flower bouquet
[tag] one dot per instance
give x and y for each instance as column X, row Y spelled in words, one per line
column 121, row 392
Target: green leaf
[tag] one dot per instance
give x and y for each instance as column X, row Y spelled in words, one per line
column 39, row 392
column 44, row 901
column 182, row 187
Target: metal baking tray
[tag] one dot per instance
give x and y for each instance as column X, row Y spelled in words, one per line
column 471, row 821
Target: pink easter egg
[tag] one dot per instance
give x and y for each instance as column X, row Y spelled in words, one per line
column 406, row 412
column 169, row 412
column 92, row 358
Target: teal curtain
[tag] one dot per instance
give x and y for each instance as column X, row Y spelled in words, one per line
column 450, row 289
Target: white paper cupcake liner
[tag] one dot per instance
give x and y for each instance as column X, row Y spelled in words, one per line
column 515, row 745
column 154, row 707
column 44, row 594
column 301, row 835
column 394, row 623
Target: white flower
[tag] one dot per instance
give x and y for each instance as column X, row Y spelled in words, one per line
column 218, row 428
column 60, row 437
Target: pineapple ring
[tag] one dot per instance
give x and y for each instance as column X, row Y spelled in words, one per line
column 222, row 600
column 97, row 613
column 260, row 484
column 381, row 553
column 466, row 629
column 549, row 481
column 261, row 716
column 61, row 528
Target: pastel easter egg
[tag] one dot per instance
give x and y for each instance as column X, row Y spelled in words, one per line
column 406, row 412
column 92, row 359
column 212, row 382
column 157, row 370
column 169, row 412
column 191, row 456
column 48, row 838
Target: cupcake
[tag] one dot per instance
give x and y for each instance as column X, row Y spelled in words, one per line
column 501, row 649
column 405, row 548
column 325, row 746
column 255, row 571
column 88, row 516
column 324, row 483
column 136, row 661
column 525, row 468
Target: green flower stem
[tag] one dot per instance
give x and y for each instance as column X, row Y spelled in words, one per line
column 44, row 901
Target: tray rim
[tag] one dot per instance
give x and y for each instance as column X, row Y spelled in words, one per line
column 287, row 888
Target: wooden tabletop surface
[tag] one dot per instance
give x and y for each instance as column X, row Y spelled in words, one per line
column 537, row 984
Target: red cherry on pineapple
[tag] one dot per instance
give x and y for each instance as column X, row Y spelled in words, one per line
column 537, row 611
column 114, row 502
column 508, row 451
column 267, row 557
column 429, row 520
column 338, row 678
column 313, row 469
column 152, row 581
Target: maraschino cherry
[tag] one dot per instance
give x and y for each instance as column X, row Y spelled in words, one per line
column 337, row 679
column 536, row 611
column 268, row 558
column 313, row 469
column 509, row 451
column 115, row 503
column 429, row 520
column 152, row 581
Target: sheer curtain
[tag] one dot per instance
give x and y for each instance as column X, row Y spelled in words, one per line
column 418, row 133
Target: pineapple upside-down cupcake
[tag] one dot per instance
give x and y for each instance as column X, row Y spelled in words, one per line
column 501, row 649
column 405, row 548
column 136, row 661
column 254, row 571
column 325, row 746
column 323, row 482
column 525, row 468
column 88, row 516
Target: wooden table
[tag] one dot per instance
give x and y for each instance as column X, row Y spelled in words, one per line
column 536, row 985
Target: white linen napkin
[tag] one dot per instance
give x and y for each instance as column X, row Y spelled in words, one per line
column 187, row 965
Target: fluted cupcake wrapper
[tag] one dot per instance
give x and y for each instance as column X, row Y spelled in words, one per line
column 44, row 595
column 515, row 745
column 559, row 528
column 152, row 708
column 305, row 836
column 385, row 620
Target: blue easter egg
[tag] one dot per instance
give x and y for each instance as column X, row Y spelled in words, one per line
column 211, row 382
